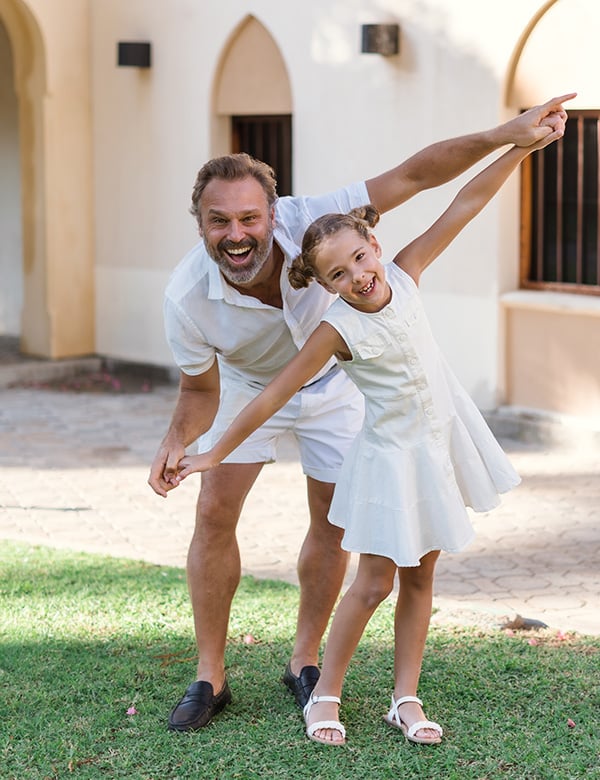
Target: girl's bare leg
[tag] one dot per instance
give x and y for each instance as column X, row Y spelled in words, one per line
column 413, row 613
column 373, row 582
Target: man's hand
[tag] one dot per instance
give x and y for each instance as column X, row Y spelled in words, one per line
column 540, row 122
column 164, row 467
column 194, row 413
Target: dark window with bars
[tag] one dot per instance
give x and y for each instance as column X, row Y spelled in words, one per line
column 268, row 138
column 560, row 225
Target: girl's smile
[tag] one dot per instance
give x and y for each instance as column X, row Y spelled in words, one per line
column 368, row 289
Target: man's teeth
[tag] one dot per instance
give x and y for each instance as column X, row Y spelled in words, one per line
column 368, row 287
column 242, row 251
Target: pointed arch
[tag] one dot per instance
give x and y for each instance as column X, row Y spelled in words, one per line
column 252, row 76
column 252, row 100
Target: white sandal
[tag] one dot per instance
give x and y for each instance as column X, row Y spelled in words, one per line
column 394, row 719
column 323, row 724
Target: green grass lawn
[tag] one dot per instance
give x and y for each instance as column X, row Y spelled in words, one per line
column 84, row 639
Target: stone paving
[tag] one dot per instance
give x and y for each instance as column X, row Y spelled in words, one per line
column 73, row 471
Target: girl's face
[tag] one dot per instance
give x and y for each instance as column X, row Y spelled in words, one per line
column 349, row 265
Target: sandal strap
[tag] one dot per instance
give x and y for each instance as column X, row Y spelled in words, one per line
column 394, row 715
column 317, row 699
column 425, row 724
column 313, row 699
column 404, row 699
column 326, row 724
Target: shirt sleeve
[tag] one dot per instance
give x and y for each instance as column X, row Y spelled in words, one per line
column 191, row 352
column 298, row 212
column 340, row 201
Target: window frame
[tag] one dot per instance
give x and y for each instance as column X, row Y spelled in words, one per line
column 268, row 137
column 534, row 211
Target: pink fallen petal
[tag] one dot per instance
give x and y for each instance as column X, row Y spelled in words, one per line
column 560, row 635
column 571, row 723
column 532, row 641
column 132, row 711
column 509, row 632
column 249, row 640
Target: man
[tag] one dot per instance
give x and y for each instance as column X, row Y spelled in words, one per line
column 233, row 322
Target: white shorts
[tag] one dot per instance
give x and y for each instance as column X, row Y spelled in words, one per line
column 324, row 418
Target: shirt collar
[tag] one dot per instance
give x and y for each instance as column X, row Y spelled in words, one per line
column 216, row 283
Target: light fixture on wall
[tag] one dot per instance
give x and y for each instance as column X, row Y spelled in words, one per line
column 380, row 39
column 134, row 54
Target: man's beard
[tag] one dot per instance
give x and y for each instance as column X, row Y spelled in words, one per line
column 241, row 274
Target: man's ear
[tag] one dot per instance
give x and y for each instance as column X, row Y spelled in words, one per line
column 326, row 286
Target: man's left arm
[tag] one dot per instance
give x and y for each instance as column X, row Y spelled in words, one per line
column 443, row 161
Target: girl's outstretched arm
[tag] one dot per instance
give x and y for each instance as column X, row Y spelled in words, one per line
column 470, row 200
column 319, row 348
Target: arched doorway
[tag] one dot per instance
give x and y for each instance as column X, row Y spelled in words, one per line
column 51, row 161
column 11, row 248
column 252, row 101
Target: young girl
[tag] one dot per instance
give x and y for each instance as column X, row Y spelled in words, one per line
column 424, row 452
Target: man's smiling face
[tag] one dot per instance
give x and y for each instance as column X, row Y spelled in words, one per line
column 237, row 228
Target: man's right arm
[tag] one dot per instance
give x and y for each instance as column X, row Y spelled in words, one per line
column 443, row 161
column 195, row 410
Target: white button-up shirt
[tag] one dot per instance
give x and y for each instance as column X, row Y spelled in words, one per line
column 206, row 317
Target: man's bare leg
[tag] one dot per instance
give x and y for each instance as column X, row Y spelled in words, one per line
column 213, row 563
column 213, row 573
column 321, row 568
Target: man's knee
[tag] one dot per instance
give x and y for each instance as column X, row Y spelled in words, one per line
column 216, row 520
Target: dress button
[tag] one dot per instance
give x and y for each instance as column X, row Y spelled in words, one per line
column 429, row 411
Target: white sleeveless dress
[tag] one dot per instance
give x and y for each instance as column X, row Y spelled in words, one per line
column 424, row 452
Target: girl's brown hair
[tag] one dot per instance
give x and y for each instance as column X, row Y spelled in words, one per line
column 361, row 220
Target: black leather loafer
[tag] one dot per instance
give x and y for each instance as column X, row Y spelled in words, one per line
column 302, row 685
column 198, row 706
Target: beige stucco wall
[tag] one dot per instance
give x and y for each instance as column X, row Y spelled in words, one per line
column 553, row 344
column 109, row 154
column 354, row 115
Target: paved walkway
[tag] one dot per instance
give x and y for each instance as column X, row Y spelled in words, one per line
column 73, row 470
